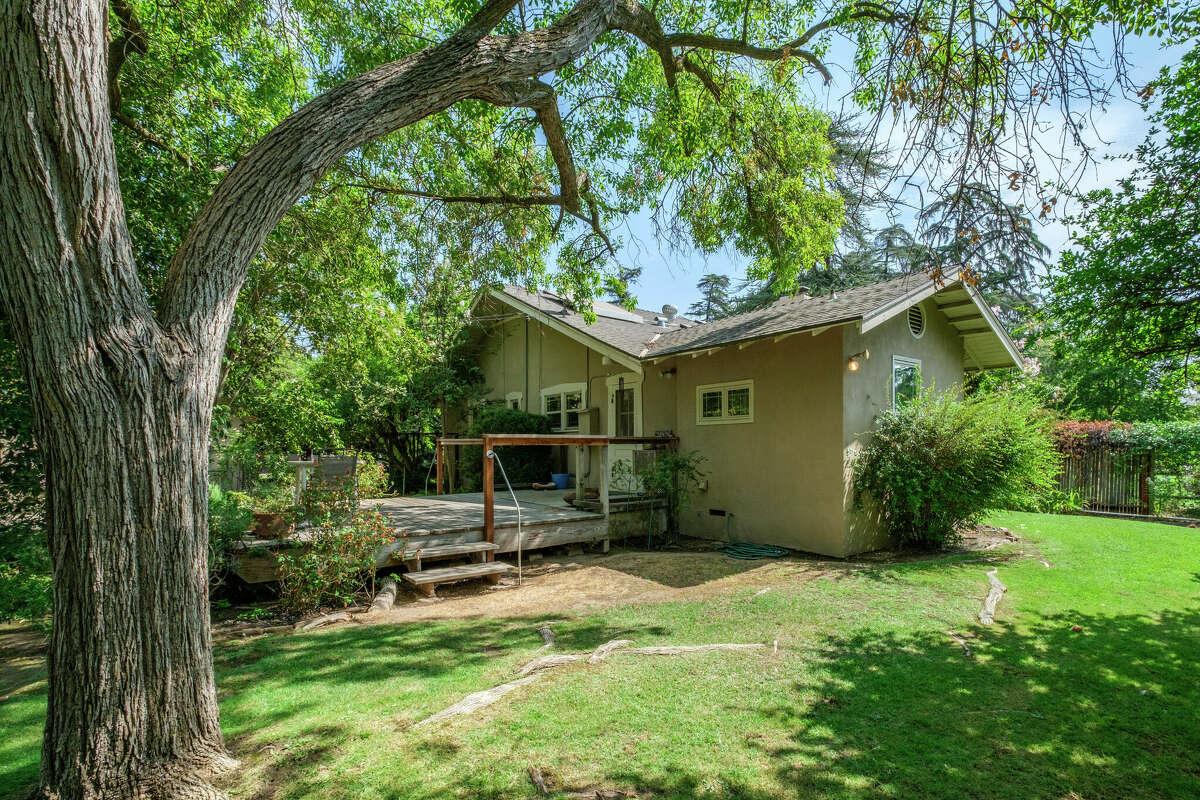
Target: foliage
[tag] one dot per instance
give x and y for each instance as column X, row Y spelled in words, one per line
column 1130, row 286
column 521, row 464
column 372, row 477
column 674, row 477
column 230, row 515
column 25, row 586
column 335, row 564
column 938, row 463
column 328, row 500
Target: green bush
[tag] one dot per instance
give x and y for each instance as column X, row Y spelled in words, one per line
column 372, row 477
column 337, row 565
column 521, row 464
column 230, row 515
column 939, row 463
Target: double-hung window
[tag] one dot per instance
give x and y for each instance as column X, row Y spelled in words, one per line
column 722, row 403
column 562, row 404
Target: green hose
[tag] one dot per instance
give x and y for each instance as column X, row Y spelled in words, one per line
column 750, row 551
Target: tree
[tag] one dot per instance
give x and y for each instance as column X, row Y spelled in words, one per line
column 1130, row 285
column 714, row 301
column 122, row 343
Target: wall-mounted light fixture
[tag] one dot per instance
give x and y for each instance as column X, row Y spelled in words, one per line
column 856, row 360
column 667, row 373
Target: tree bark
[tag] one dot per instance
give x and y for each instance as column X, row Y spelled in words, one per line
column 122, row 415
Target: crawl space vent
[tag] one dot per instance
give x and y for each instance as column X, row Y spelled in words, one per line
column 916, row 321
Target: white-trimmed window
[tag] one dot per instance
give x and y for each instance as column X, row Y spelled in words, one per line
column 514, row 400
column 563, row 404
column 723, row 403
column 906, row 380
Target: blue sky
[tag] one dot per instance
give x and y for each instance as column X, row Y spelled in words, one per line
column 670, row 277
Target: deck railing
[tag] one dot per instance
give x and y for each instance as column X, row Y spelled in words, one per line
column 582, row 441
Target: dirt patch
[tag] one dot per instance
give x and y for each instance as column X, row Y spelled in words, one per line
column 625, row 577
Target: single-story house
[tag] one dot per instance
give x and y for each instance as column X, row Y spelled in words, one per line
column 777, row 400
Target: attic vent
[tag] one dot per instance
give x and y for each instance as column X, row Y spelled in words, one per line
column 916, row 321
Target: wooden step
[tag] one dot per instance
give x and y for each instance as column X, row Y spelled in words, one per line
column 414, row 555
column 428, row 580
column 437, row 550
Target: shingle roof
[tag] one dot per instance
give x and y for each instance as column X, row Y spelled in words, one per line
column 637, row 334
column 789, row 314
column 628, row 331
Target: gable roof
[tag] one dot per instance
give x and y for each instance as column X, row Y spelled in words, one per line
column 634, row 336
column 629, row 332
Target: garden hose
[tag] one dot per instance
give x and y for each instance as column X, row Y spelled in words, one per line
column 750, row 551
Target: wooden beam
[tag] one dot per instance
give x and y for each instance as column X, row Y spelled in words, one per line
column 489, row 496
column 783, row 336
column 461, row 441
column 959, row 304
column 440, row 458
column 964, row 318
column 966, row 331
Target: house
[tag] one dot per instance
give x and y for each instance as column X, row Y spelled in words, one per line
column 777, row 399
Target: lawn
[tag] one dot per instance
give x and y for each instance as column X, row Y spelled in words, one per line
column 1088, row 686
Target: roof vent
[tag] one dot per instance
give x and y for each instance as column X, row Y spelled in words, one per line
column 916, row 321
column 670, row 312
column 660, row 322
column 804, row 292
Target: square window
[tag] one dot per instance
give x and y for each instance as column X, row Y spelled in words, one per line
column 711, row 405
column 553, row 403
column 739, row 402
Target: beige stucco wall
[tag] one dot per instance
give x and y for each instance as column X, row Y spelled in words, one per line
column 555, row 359
column 868, row 391
column 783, row 478
column 780, row 475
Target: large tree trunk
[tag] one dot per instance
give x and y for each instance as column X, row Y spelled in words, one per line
column 122, row 413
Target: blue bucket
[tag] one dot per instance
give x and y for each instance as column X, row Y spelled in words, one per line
column 561, row 479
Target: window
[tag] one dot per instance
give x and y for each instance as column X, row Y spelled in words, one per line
column 720, row 403
column 562, row 405
column 906, row 380
column 513, row 400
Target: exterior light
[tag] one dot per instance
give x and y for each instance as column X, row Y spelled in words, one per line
column 856, row 360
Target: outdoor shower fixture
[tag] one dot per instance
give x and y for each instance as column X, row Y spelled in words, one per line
column 854, row 363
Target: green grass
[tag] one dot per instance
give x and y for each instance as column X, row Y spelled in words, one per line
column 867, row 697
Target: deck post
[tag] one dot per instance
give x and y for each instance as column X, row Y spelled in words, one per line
column 440, row 459
column 604, row 480
column 489, row 496
column 580, row 455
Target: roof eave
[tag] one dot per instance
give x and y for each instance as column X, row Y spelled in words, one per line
column 816, row 328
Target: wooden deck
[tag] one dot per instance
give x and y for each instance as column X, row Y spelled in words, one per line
column 451, row 519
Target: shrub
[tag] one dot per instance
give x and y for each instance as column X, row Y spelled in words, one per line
column 939, row 462
column 229, row 517
column 336, row 565
column 522, row 464
column 372, row 477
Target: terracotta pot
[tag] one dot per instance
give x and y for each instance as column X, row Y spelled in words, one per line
column 269, row 525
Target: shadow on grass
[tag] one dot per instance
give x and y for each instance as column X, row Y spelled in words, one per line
column 1108, row 711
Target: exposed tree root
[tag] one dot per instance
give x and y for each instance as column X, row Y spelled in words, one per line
column 539, row 666
column 961, row 642
column 386, row 597
column 987, row 614
column 328, row 619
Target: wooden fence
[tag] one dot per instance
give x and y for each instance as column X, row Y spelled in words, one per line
column 1108, row 478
